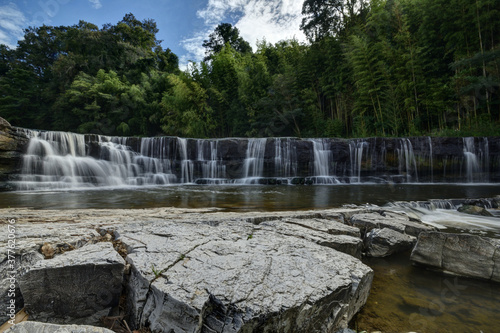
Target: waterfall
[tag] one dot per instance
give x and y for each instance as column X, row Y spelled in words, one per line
column 407, row 162
column 58, row 160
column 356, row 156
column 285, row 158
column 186, row 164
column 322, row 160
column 253, row 166
column 212, row 169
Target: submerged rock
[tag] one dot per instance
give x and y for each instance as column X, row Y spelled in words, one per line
column 474, row 210
column 237, row 277
column 37, row 327
column 384, row 242
column 461, row 254
column 79, row 286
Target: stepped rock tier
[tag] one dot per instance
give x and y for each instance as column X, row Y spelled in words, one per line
column 34, row 160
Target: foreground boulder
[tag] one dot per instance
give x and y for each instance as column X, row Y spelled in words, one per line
column 238, row 277
column 37, row 327
column 78, row 287
column 461, row 254
column 384, row 242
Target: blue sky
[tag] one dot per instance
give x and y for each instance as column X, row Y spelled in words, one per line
column 183, row 24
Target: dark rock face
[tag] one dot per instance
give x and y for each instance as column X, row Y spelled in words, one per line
column 12, row 145
column 80, row 286
column 461, row 254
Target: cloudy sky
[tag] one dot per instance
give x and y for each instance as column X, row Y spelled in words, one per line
column 183, row 24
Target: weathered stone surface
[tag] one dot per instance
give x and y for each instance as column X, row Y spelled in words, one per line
column 461, row 254
column 79, row 286
column 61, row 235
column 237, row 277
column 474, row 210
column 399, row 222
column 384, row 242
column 320, row 235
column 37, row 327
column 325, row 225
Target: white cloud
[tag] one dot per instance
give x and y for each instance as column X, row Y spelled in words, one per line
column 12, row 22
column 96, row 3
column 273, row 20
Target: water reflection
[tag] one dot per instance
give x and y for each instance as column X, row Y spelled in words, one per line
column 405, row 298
column 242, row 197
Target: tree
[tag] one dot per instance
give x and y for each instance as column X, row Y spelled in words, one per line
column 224, row 34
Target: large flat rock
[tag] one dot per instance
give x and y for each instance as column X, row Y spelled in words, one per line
column 79, row 286
column 461, row 254
column 237, row 277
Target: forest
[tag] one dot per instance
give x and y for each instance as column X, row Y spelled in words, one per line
column 369, row 68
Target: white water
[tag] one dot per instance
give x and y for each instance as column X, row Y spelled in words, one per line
column 356, row 149
column 58, row 160
column 407, row 162
column 322, row 161
column 443, row 214
column 253, row 167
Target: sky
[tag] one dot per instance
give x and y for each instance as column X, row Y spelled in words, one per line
column 183, row 24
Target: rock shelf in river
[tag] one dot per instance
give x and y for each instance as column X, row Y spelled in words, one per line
column 205, row 270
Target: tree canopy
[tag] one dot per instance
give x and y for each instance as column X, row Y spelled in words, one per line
column 379, row 67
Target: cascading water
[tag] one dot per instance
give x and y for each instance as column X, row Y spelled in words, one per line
column 356, row 152
column 212, row 169
column 253, row 166
column 57, row 160
column 407, row 162
column 186, row 164
column 322, row 160
column 285, row 158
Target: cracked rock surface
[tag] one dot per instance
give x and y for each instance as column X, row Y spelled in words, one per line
column 79, row 286
column 461, row 254
column 204, row 270
column 237, row 277
column 37, row 327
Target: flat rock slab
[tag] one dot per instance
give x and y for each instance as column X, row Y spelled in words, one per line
column 79, row 286
column 315, row 231
column 234, row 277
column 384, row 242
column 37, row 327
column 386, row 219
column 461, row 254
column 328, row 226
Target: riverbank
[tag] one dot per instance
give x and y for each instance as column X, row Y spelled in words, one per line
column 230, row 268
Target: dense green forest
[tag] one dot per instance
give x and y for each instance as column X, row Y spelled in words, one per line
column 370, row 68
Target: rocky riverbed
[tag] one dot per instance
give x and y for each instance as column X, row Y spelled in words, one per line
column 179, row 270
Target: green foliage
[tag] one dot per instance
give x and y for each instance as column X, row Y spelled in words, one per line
column 383, row 67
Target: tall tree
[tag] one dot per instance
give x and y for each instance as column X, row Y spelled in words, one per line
column 224, row 34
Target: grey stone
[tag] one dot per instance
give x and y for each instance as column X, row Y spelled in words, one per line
column 474, row 210
column 328, row 226
column 237, row 277
column 37, row 327
column 320, row 235
column 461, row 254
column 399, row 222
column 29, row 240
column 384, row 242
column 78, row 287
